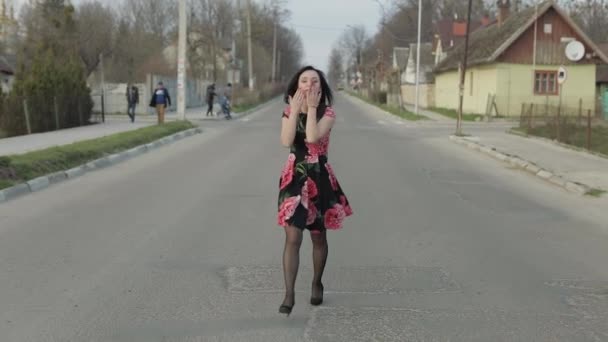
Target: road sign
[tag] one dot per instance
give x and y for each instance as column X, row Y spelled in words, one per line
column 562, row 75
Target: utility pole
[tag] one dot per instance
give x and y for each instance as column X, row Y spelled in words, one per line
column 181, row 62
column 279, row 65
column 418, row 56
column 103, row 89
column 274, row 46
column 463, row 72
column 274, row 53
column 250, row 57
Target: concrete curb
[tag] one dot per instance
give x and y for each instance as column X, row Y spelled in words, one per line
column 44, row 182
column 525, row 165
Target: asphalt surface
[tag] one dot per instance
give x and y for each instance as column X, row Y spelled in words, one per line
column 182, row 245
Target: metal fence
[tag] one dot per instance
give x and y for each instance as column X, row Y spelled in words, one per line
column 21, row 115
column 573, row 126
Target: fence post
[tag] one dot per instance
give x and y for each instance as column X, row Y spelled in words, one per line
column 557, row 126
column 580, row 112
column 56, row 113
column 27, row 117
column 531, row 116
column 522, row 116
column 589, row 130
column 79, row 112
column 103, row 110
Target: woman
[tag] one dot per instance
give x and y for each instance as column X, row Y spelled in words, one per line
column 310, row 197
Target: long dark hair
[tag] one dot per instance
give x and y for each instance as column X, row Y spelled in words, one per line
column 326, row 94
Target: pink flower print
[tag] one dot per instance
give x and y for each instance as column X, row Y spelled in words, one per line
column 332, row 177
column 287, row 173
column 287, row 209
column 312, row 188
column 329, row 112
column 334, row 217
column 318, row 149
column 347, row 209
column 312, row 159
column 309, row 190
column 312, row 213
column 287, row 111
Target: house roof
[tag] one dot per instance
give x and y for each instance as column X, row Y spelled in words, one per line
column 427, row 62
column 448, row 30
column 487, row 44
column 7, row 64
column 400, row 55
column 426, row 54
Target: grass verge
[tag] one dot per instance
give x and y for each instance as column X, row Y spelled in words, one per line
column 573, row 136
column 245, row 107
column 595, row 193
column 402, row 113
column 21, row 168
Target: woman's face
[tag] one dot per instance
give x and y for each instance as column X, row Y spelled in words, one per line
column 308, row 79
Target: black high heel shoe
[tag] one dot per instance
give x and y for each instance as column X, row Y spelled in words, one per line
column 317, row 300
column 284, row 309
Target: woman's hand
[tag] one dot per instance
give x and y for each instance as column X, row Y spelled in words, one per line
column 313, row 96
column 296, row 101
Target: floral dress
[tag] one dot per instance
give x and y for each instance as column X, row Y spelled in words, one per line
column 310, row 196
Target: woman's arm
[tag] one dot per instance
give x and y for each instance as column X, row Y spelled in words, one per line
column 288, row 128
column 289, row 123
column 317, row 130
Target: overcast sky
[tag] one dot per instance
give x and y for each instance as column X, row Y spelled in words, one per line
column 319, row 23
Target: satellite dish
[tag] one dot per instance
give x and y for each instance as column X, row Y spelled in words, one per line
column 575, row 51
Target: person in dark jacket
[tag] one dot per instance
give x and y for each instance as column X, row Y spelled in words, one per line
column 132, row 101
column 160, row 100
column 210, row 96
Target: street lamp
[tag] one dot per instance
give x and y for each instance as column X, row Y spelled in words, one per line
column 181, row 62
column 418, row 56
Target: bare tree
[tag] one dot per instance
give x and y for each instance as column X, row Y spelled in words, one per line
column 335, row 67
column 354, row 41
column 212, row 32
column 592, row 15
column 96, row 27
column 158, row 17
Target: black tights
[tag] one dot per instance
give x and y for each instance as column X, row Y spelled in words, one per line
column 291, row 261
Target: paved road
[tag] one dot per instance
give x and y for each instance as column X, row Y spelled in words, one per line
column 182, row 245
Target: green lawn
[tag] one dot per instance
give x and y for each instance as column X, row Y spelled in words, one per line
column 573, row 135
column 21, row 168
column 402, row 113
column 244, row 107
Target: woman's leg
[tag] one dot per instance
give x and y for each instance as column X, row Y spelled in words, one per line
column 291, row 261
column 319, row 259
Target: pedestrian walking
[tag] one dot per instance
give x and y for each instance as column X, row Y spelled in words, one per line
column 132, row 101
column 160, row 100
column 210, row 96
column 310, row 196
column 226, row 101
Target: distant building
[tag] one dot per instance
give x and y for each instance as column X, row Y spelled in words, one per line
column 502, row 64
